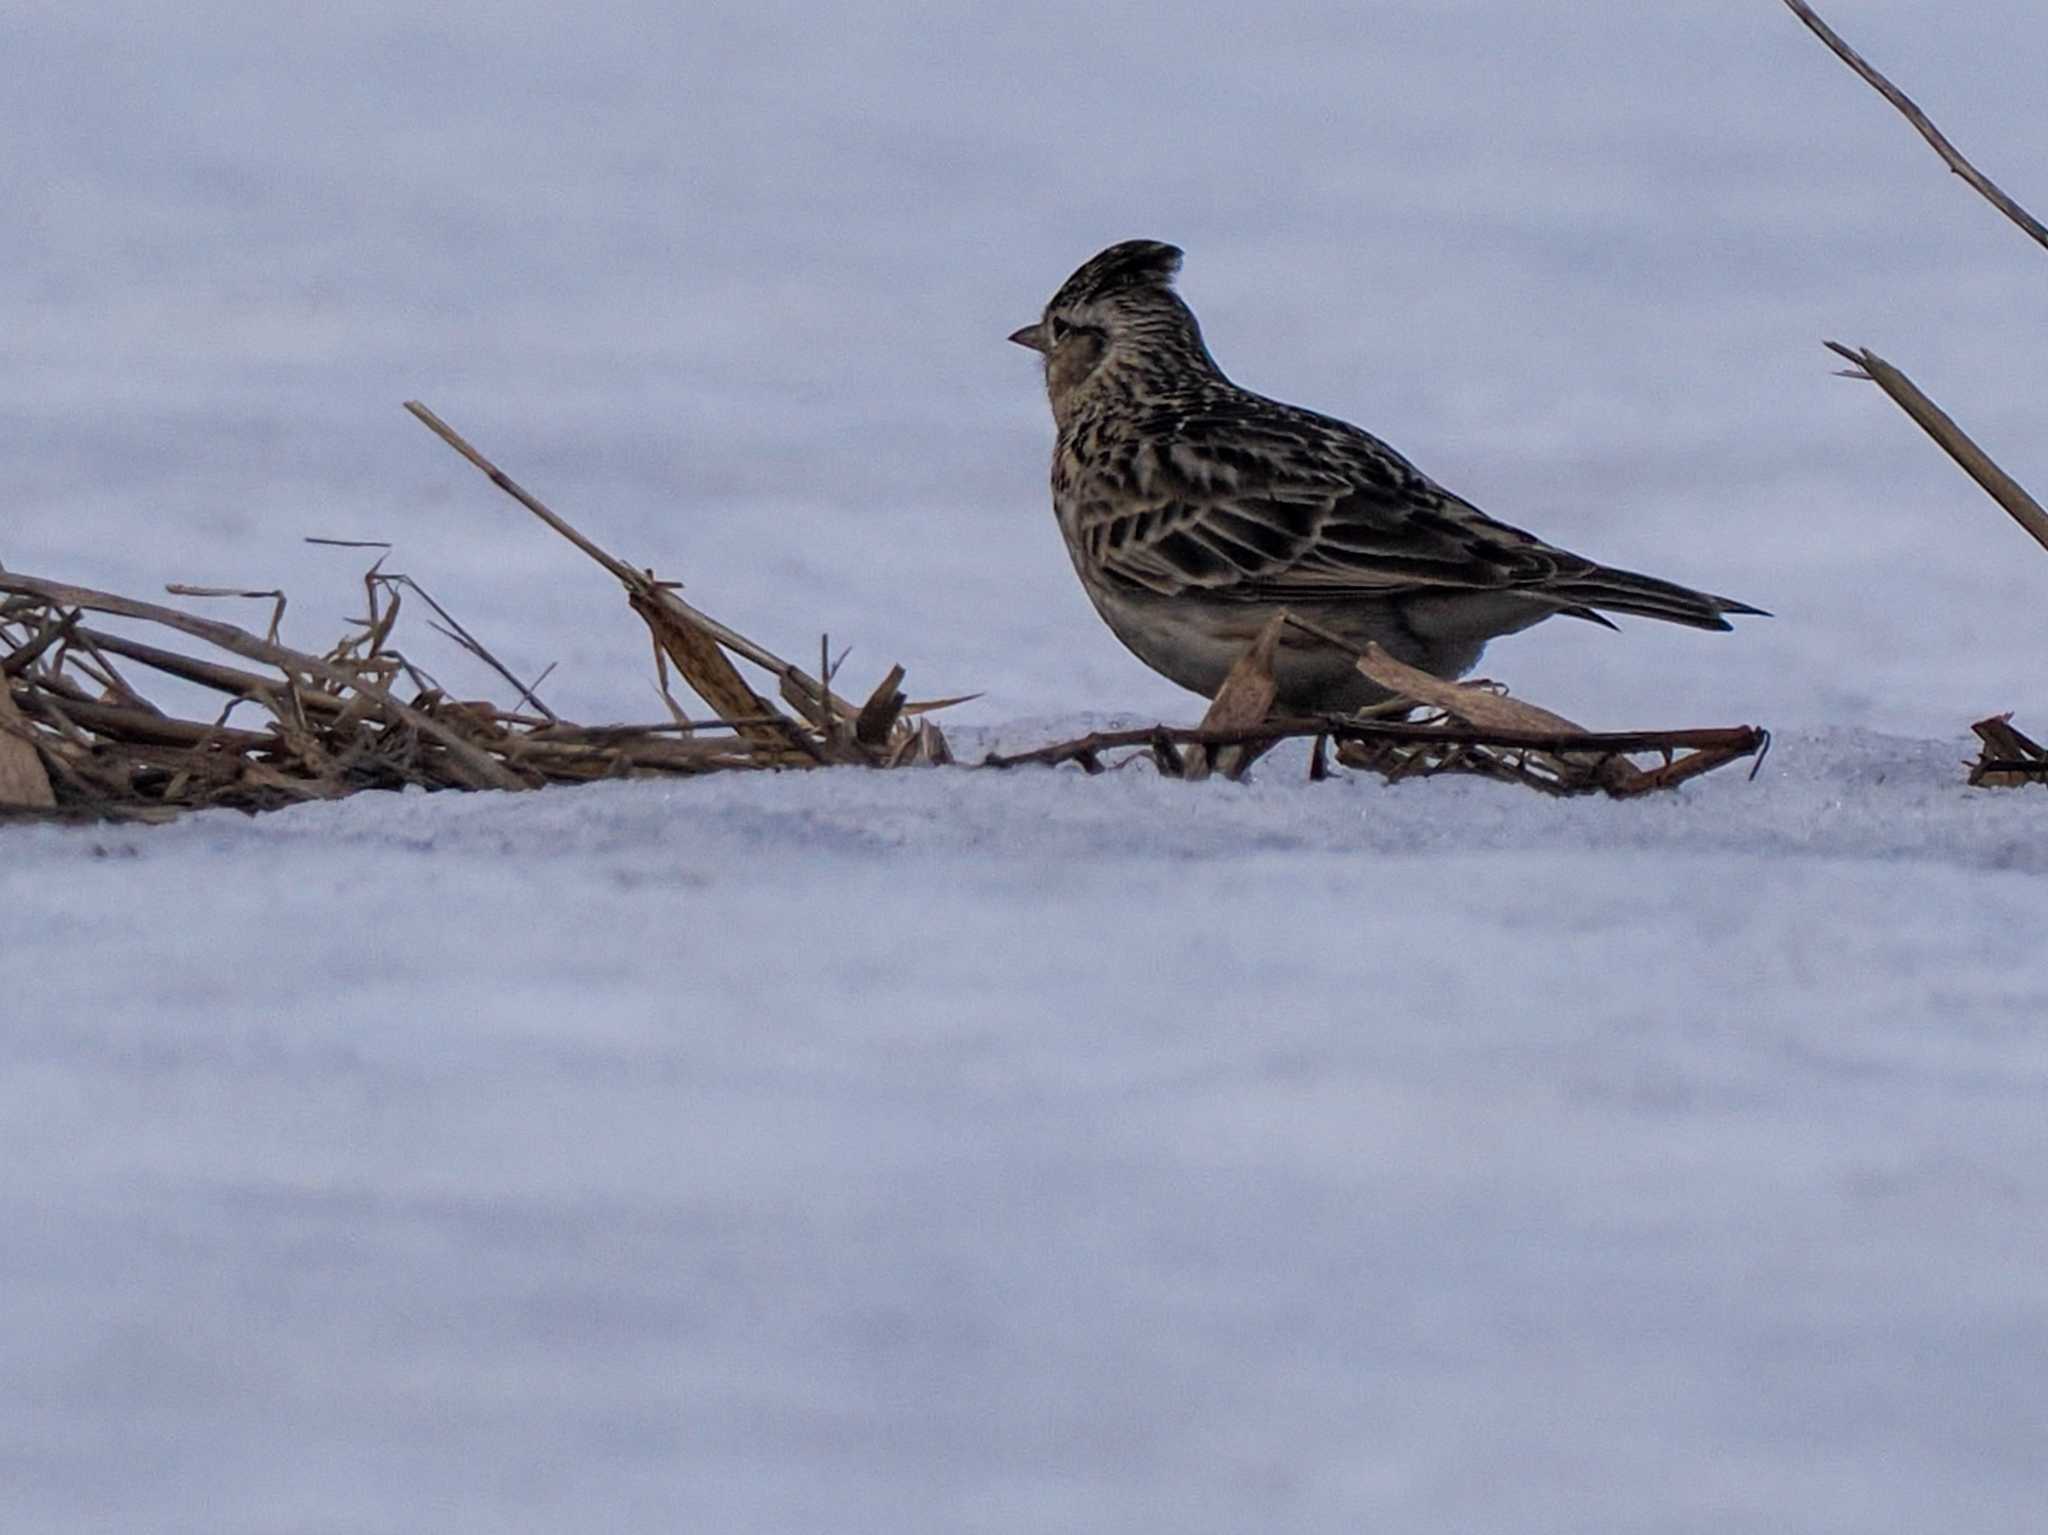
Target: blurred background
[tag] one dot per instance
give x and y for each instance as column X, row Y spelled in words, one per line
column 727, row 285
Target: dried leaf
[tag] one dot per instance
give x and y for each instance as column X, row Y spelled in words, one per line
column 1245, row 699
column 23, row 780
column 879, row 714
column 1482, row 708
column 709, row 672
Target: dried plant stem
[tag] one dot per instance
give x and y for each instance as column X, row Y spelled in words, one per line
column 230, row 680
column 441, row 429
column 1951, row 156
column 638, row 583
column 1953, row 440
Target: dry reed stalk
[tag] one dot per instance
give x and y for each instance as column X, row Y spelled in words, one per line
column 1952, row 439
column 1985, row 187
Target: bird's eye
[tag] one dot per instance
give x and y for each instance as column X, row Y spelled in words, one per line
column 1057, row 329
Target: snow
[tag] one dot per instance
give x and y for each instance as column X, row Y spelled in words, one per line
column 1011, row 1152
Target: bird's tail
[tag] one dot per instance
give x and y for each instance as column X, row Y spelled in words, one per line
column 1625, row 591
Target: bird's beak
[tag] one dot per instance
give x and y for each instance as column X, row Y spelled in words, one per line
column 1032, row 336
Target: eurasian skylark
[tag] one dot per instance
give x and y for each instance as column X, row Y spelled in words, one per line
column 1195, row 510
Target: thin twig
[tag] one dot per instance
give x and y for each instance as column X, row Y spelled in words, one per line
column 470, row 642
column 1950, row 155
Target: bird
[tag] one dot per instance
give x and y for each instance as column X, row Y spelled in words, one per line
column 1195, row 511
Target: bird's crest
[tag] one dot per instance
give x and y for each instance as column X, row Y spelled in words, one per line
column 1133, row 264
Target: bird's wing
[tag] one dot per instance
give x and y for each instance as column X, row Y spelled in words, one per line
column 1339, row 516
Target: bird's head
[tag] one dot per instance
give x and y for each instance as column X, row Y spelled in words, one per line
column 1118, row 312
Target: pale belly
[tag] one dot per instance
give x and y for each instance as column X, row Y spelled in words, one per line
column 1195, row 644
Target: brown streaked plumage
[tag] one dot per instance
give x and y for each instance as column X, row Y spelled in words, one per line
column 1194, row 510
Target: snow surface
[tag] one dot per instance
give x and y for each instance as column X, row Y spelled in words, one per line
column 976, row 1152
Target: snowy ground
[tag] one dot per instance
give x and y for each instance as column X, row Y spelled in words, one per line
column 976, row 1152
